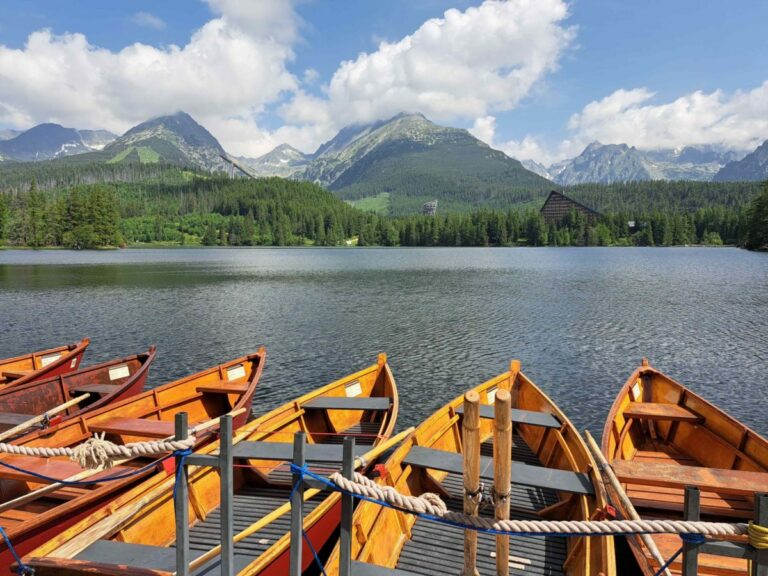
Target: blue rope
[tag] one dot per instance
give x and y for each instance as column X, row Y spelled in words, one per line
column 314, row 552
column 23, row 569
column 50, row 479
column 688, row 539
column 180, row 467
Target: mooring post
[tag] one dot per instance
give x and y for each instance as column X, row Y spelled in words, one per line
column 760, row 558
column 347, row 508
column 226, row 473
column 691, row 511
column 297, row 505
column 471, row 441
column 181, row 502
column 502, row 473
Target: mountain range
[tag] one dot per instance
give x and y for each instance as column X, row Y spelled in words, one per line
column 47, row 141
column 394, row 165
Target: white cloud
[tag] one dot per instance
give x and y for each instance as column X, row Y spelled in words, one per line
column 147, row 20
column 736, row 120
column 229, row 71
column 463, row 65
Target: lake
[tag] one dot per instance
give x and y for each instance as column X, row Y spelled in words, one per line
column 579, row 319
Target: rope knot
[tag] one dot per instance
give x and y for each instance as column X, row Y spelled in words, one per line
column 96, row 453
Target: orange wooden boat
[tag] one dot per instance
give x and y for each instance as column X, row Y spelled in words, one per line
column 32, row 519
column 659, row 438
column 553, row 478
column 37, row 365
column 103, row 383
column 364, row 404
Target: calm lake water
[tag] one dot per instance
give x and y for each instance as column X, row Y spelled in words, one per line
column 579, row 319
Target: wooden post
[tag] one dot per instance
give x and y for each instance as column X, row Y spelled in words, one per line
column 347, row 509
column 471, row 441
column 226, row 476
column 181, row 503
column 502, row 473
column 691, row 511
column 297, row 506
column 760, row 559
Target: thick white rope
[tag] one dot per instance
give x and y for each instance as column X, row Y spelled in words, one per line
column 433, row 505
column 97, row 453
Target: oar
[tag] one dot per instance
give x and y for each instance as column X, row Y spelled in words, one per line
column 622, row 495
column 37, row 419
column 285, row 508
column 34, row 495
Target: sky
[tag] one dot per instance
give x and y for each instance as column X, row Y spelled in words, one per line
column 538, row 79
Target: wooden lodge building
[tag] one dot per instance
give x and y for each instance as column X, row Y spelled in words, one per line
column 558, row 206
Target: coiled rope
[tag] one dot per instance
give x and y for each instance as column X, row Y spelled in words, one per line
column 432, row 507
column 96, row 453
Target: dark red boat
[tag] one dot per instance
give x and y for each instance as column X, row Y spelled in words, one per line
column 52, row 362
column 32, row 510
column 103, row 383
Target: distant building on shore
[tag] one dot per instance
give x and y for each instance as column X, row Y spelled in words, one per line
column 429, row 208
column 558, row 206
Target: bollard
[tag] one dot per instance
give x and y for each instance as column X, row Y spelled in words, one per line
column 181, row 503
column 502, row 473
column 760, row 558
column 297, row 506
column 347, row 508
column 471, row 443
column 226, row 472
column 691, row 511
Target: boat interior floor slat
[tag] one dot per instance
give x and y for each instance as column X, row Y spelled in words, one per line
column 438, row 549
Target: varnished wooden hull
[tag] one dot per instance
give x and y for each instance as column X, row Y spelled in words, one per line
column 145, row 416
column 37, row 365
column 660, row 437
column 263, row 481
column 392, row 539
column 104, row 383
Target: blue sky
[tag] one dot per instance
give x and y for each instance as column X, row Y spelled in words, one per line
column 650, row 73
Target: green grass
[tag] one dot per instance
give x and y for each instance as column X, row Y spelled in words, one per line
column 120, row 156
column 378, row 204
column 148, row 155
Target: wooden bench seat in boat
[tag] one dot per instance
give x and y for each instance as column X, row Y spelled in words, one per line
column 49, row 467
column 542, row 419
column 659, row 411
column 100, row 389
column 674, row 475
column 11, row 419
column 283, row 451
column 344, row 403
column 159, row 558
column 522, row 474
column 363, row 569
column 223, row 387
column 135, row 427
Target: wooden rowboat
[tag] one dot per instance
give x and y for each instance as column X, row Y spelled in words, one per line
column 364, row 404
column 32, row 516
column 659, row 438
column 37, row 365
column 102, row 383
column 553, row 478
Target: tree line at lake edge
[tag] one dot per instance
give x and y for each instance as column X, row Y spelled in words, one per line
column 184, row 208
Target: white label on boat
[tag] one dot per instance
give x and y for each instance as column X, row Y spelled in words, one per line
column 636, row 391
column 491, row 395
column 263, row 540
column 236, row 372
column 48, row 358
column 353, row 389
column 119, row 372
column 73, row 363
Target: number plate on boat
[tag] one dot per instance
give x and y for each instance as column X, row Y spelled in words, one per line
column 119, row 372
column 491, row 395
column 236, row 372
column 636, row 391
column 353, row 389
column 48, row 358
